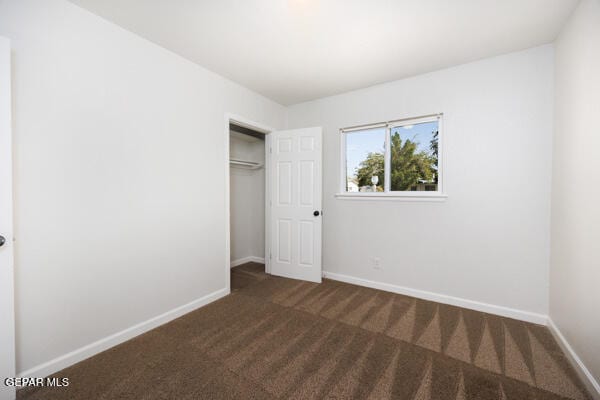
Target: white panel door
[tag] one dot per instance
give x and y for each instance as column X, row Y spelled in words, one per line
column 7, row 319
column 295, row 195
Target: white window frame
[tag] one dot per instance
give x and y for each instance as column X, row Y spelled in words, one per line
column 387, row 194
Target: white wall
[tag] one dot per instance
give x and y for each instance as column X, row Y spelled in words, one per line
column 489, row 241
column 116, row 218
column 247, row 200
column 575, row 265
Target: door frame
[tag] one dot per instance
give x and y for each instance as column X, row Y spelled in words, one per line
column 6, row 175
column 266, row 130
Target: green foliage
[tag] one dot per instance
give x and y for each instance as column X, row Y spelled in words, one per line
column 372, row 165
column 407, row 165
column 433, row 146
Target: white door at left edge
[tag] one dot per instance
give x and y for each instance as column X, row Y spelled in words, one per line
column 7, row 319
column 295, row 195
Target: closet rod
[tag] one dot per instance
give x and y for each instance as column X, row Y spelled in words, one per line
column 245, row 164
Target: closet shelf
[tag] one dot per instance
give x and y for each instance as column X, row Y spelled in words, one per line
column 245, row 164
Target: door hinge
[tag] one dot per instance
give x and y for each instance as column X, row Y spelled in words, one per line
column 271, row 150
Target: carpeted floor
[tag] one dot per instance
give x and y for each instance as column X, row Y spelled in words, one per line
column 277, row 338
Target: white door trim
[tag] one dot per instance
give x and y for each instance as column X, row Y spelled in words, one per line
column 7, row 305
column 246, row 123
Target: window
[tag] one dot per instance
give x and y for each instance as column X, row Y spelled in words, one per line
column 398, row 158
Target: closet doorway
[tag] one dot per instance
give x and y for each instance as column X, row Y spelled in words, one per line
column 274, row 202
column 248, row 207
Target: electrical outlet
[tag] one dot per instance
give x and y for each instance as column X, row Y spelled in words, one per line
column 376, row 262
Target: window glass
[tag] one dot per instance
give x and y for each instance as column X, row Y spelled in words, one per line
column 365, row 160
column 414, row 157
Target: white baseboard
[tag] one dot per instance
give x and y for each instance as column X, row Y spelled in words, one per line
column 245, row 260
column 75, row 356
column 586, row 376
column 442, row 298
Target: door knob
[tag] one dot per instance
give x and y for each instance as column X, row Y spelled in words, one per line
column 2, row 240
column 316, row 213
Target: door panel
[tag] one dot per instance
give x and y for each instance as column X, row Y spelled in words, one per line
column 284, row 236
column 306, row 247
column 295, row 196
column 284, row 183
column 306, row 180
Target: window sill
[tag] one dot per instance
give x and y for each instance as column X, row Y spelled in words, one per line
column 408, row 196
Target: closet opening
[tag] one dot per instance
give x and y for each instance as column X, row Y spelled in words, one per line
column 248, row 207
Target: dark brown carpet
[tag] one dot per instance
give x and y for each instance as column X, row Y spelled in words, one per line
column 277, row 338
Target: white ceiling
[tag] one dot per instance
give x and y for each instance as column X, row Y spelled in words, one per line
column 297, row 50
